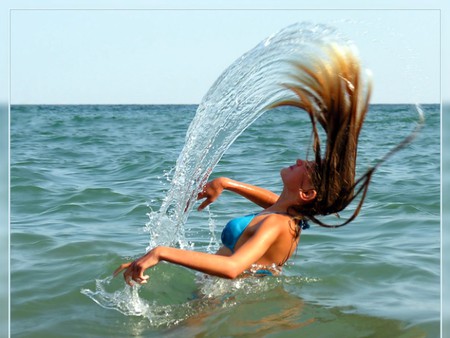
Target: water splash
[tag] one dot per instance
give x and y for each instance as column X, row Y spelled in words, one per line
column 126, row 301
column 239, row 96
column 212, row 293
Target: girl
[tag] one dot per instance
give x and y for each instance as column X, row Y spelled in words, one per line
column 334, row 92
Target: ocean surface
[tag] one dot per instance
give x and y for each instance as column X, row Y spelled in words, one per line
column 85, row 181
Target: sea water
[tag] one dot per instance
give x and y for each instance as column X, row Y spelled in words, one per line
column 82, row 177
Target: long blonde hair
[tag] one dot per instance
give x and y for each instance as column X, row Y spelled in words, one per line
column 335, row 92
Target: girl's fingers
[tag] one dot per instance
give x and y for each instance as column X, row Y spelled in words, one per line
column 204, row 204
column 121, row 268
column 129, row 275
column 127, row 279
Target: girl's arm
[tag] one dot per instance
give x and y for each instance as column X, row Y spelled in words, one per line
column 216, row 265
column 260, row 196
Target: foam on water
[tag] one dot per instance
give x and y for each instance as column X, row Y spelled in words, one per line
column 238, row 97
column 212, row 292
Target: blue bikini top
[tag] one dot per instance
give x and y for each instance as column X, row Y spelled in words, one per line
column 234, row 229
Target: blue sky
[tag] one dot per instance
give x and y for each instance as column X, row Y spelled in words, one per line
column 174, row 56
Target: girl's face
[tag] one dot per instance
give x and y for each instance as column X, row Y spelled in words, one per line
column 298, row 176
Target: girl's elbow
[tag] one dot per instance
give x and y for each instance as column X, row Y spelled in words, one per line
column 229, row 275
column 232, row 272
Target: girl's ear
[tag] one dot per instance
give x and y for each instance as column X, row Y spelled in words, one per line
column 308, row 195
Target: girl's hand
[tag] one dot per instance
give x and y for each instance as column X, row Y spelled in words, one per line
column 135, row 270
column 211, row 191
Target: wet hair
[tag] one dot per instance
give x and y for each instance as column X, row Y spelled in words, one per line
column 332, row 88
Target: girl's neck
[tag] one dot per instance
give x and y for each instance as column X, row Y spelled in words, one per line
column 285, row 201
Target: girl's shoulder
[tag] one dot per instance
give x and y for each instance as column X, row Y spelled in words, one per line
column 275, row 217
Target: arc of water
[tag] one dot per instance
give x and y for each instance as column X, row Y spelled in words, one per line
column 238, row 97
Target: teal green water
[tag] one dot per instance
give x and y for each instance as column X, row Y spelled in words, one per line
column 84, row 178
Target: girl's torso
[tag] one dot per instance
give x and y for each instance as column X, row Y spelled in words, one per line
column 240, row 230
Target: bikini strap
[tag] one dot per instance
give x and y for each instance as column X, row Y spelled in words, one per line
column 304, row 224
